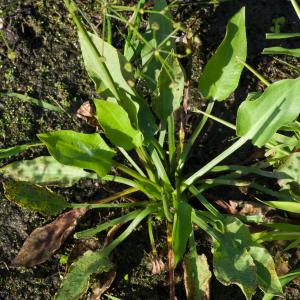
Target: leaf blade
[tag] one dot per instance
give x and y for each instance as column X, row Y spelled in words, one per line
column 34, row 197
column 76, row 282
column 262, row 117
column 44, row 170
column 87, row 151
column 44, row 241
column 222, row 72
column 117, row 126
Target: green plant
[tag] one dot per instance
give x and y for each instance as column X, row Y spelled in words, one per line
column 130, row 123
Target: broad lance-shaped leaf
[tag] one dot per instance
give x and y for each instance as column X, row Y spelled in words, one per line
column 182, row 229
column 267, row 278
column 34, row 197
column 222, row 73
column 196, row 276
column 279, row 105
column 232, row 262
column 289, row 171
column 86, row 151
column 45, row 170
column 122, row 73
column 117, row 126
column 237, row 259
column 159, row 28
column 44, row 241
column 76, row 282
column 170, row 89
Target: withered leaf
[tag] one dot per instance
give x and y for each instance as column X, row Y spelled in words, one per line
column 87, row 112
column 196, row 276
column 45, row 240
column 104, row 284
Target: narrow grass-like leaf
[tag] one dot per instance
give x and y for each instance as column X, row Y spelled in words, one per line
column 88, row 233
column 293, row 207
column 4, row 153
column 182, row 229
column 34, row 197
column 86, row 151
column 282, row 51
column 37, row 102
column 76, row 282
column 277, row 106
column 45, row 170
column 222, row 73
column 281, row 35
column 284, row 280
column 117, row 126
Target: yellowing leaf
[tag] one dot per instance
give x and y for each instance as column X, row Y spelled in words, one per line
column 34, row 197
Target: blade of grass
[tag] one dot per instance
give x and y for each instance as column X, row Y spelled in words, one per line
column 37, row 102
column 93, row 231
column 191, row 141
column 133, row 163
column 139, row 218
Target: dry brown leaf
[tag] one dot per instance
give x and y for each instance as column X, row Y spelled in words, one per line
column 104, row 285
column 157, row 265
column 87, row 112
column 45, row 240
column 197, row 276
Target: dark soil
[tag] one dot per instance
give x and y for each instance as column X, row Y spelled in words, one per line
column 48, row 66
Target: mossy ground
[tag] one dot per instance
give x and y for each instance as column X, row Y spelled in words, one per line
column 47, row 65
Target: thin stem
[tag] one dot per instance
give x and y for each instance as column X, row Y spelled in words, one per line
column 205, row 202
column 219, row 120
column 159, row 165
column 240, row 142
column 194, row 136
column 109, row 31
column 101, row 227
column 108, row 205
column 133, row 163
column 141, row 152
column 106, row 76
column 117, row 195
column 171, row 261
column 162, row 136
column 172, row 144
column 141, row 216
column 260, row 77
column 151, row 236
column 203, row 225
column 159, row 149
column 134, row 19
column 122, row 180
column 166, row 207
column 129, row 171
